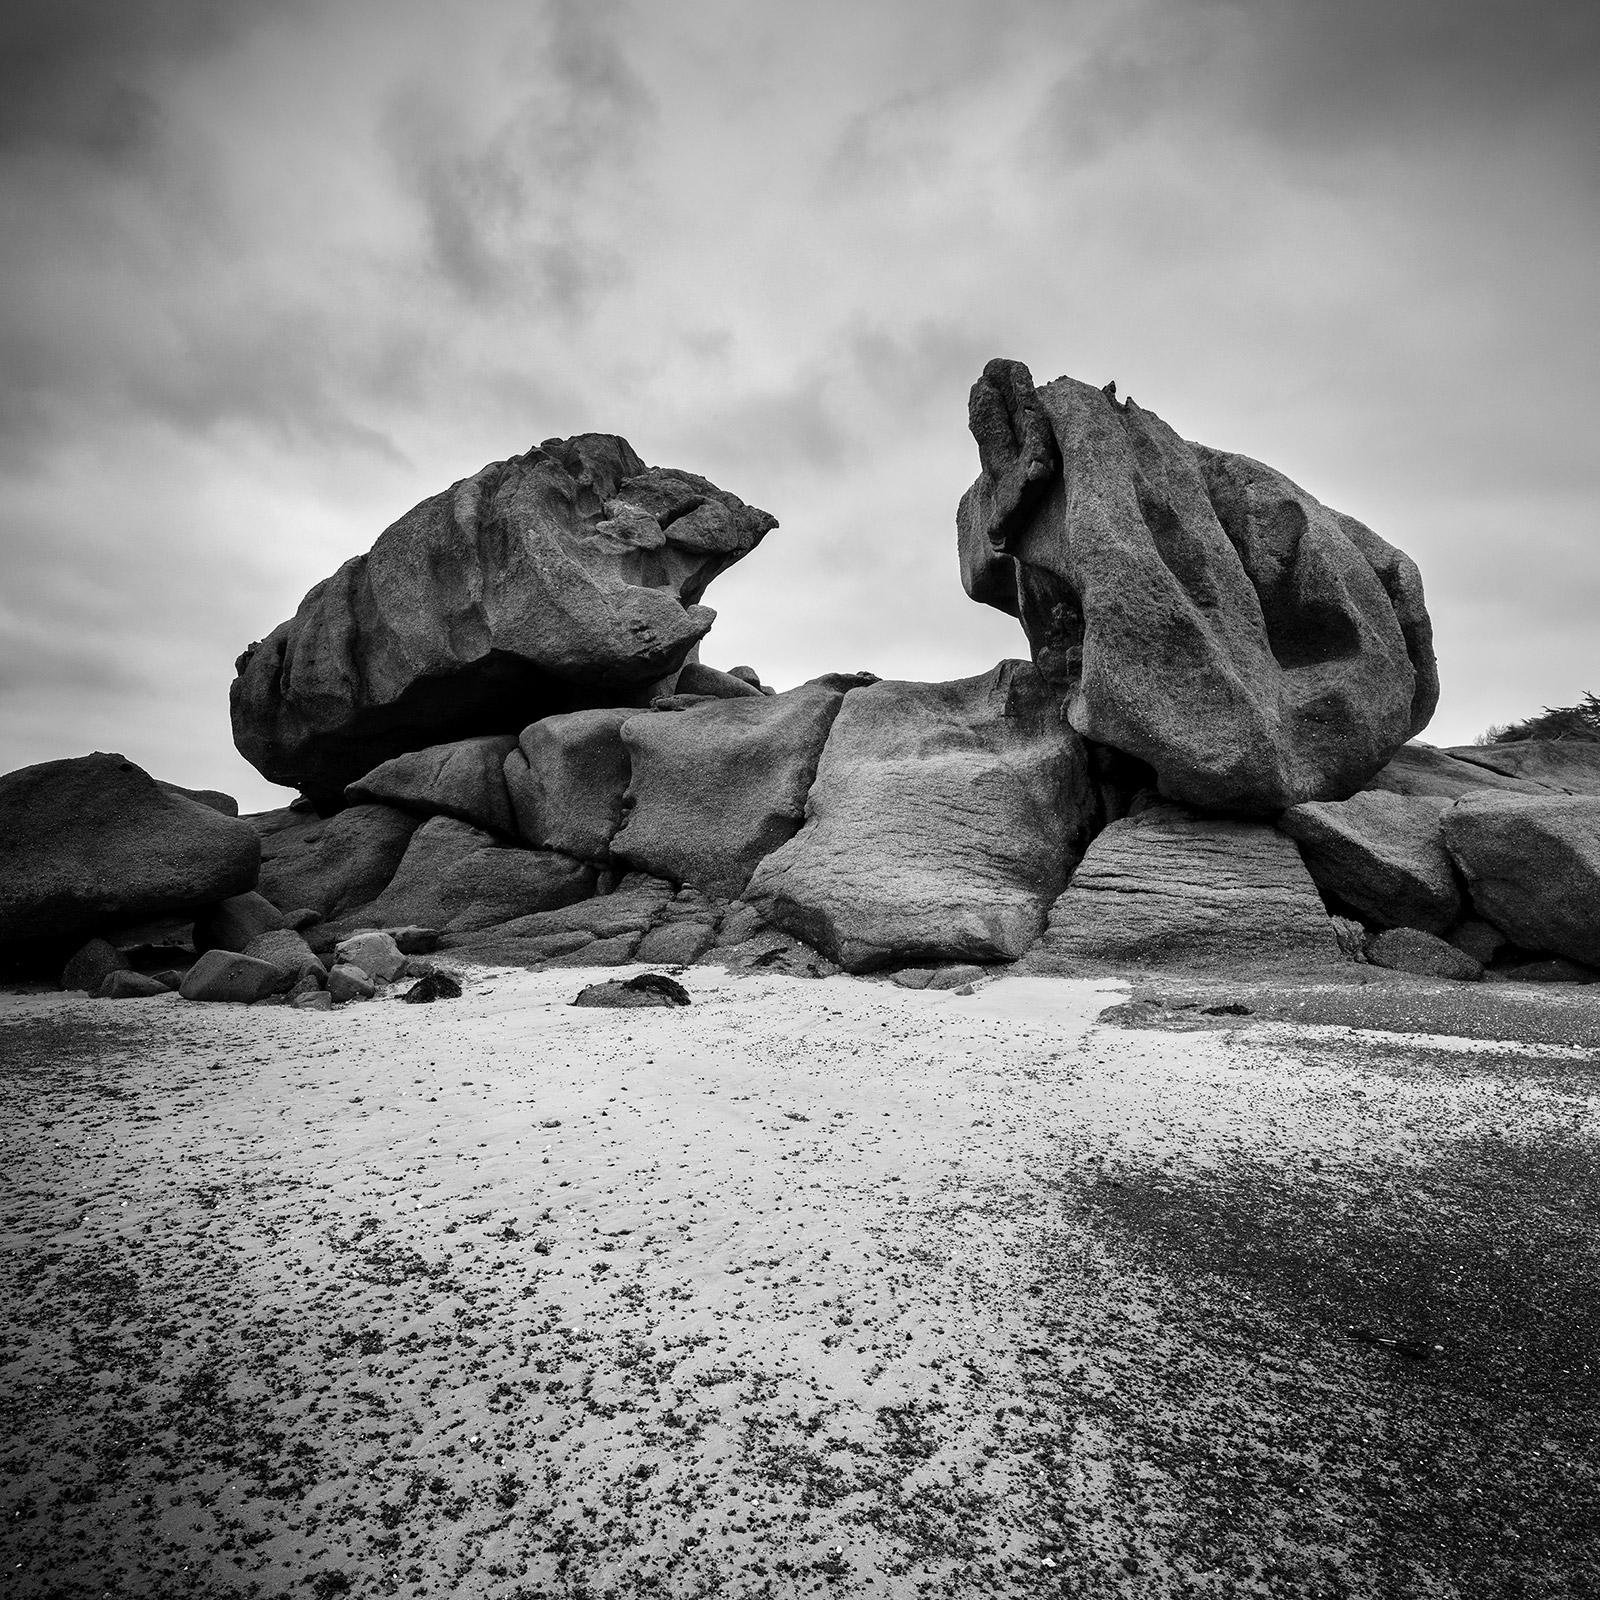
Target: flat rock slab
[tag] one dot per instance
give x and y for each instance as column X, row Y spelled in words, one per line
column 1167, row 888
column 1421, row 769
column 1564, row 766
column 942, row 823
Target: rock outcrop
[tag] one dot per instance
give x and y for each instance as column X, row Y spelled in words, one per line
column 942, row 822
column 1168, row 888
column 460, row 877
column 720, row 785
column 1422, row 770
column 95, row 842
column 566, row 577
column 331, row 864
column 566, row 780
column 1381, row 855
column 466, row 780
column 1563, row 766
column 1194, row 609
column 1532, row 865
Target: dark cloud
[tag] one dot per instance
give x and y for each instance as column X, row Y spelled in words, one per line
column 72, row 71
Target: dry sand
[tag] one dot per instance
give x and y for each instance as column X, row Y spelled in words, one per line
column 813, row 1287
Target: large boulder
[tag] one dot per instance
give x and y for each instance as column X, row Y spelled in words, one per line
column 565, row 577
column 1381, row 855
column 1564, row 766
column 465, row 780
column 1422, row 770
column 942, row 822
column 1532, row 865
column 95, row 841
column 566, row 780
column 458, row 876
column 331, row 864
column 1168, row 888
column 720, row 785
column 1194, row 609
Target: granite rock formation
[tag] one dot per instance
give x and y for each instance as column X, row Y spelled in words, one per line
column 465, row 780
column 566, row 780
column 1165, row 887
column 1532, row 865
column 942, row 822
column 95, row 842
column 566, row 577
column 331, row 864
column 718, row 786
column 1381, row 855
column 1194, row 609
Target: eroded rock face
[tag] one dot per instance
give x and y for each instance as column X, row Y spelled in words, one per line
column 95, row 842
column 566, row 780
column 1168, row 888
column 720, row 785
column 465, row 780
column 1380, row 854
column 331, row 864
column 1194, row 609
column 1532, row 865
column 566, row 577
column 941, row 824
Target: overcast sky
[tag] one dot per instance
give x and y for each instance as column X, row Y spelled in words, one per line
column 271, row 273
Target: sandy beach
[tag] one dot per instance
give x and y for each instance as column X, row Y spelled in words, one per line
column 811, row 1287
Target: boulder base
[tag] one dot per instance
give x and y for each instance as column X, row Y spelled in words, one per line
column 566, row 780
column 332, row 865
column 1167, row 888
column 465, row 780
column 941, row 824
column 225, row 975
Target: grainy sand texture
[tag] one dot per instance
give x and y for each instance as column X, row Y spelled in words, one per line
column 809, row 1288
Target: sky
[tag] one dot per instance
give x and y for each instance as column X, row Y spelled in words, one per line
column 270, row 273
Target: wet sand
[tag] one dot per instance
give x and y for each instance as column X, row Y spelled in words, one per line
column 812, row 1287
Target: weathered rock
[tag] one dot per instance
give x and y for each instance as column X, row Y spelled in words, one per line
column 697, row 678
column 232, row 923
column 285, row 948
column 1532, row 865
column 307, row 982
column 213, row 799
column 1480, row 940
column 373, row 953
column 942, row 822
column 1419, row 769
column 627, row 912
column 718, row 787
column 95, row 841
column 432, row 986
column 127, row 985
column 1167, row 888
column 466, row 780
column 675, row 944
column 1422, row 954
column 348, row 982
column 334, row 864
column 226, row 975
column 614, row 952
column 1380, row 854
column 567, row 576
column 566, row 780
column 460, row 877
column 1352, row 938
column 1195, row 609
column 312, row 1000
column 647, row 989
column 90, row 966
column 1554, row 969
column 1564, row 766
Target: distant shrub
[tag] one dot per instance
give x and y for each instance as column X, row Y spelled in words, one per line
column 1581, row 721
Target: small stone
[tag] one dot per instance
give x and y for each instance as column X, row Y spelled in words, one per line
column 347, row 982
column 123, row 985
column 222, row 975
column 316, row 1000
column 375, row 953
